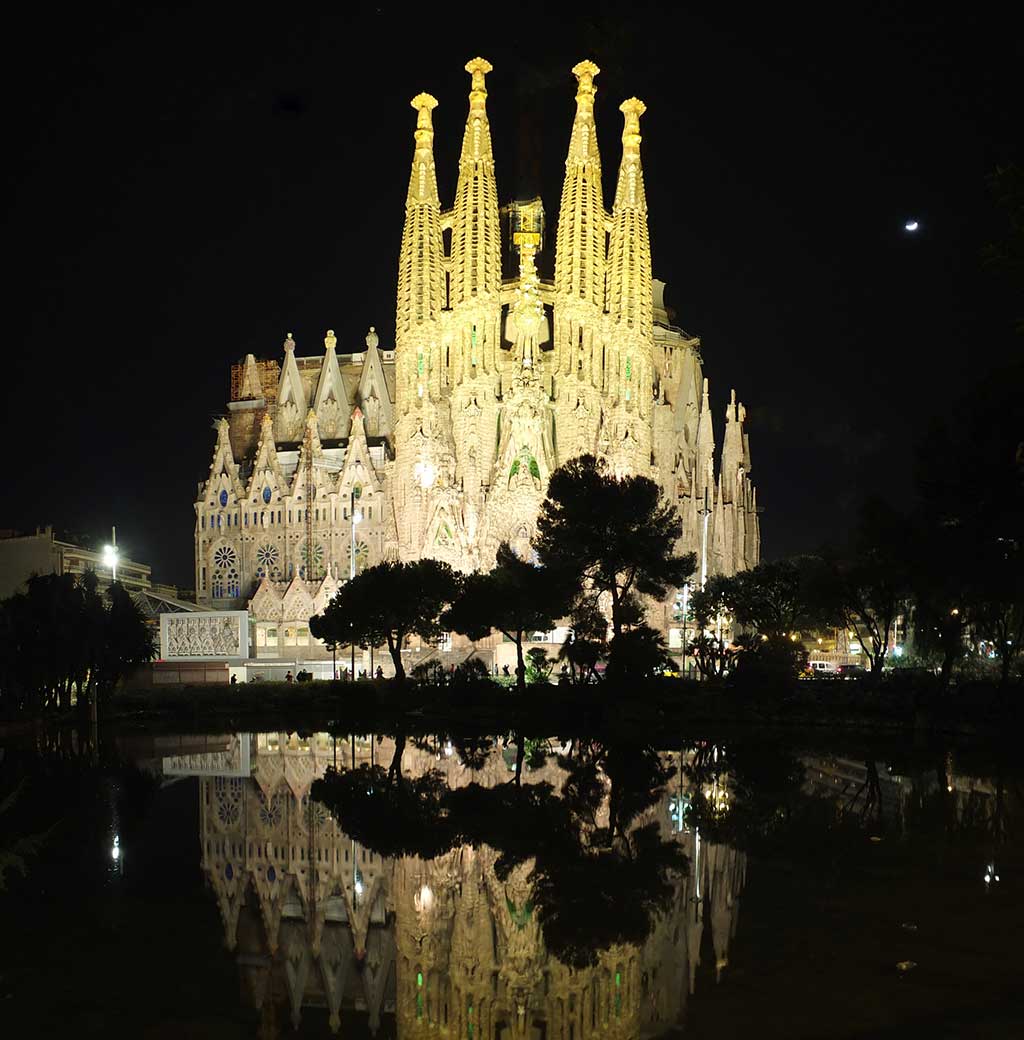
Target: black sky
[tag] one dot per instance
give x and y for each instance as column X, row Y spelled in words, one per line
column 186, row 186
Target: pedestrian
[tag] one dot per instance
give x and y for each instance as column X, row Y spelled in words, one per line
column 504, row 670
column 289, row 677
column 380, row 672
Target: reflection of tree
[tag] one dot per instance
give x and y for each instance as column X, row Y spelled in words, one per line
column 598, row 878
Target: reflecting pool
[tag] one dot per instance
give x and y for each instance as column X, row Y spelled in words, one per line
column 492, row 888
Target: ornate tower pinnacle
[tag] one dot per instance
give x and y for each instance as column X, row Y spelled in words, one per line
column 420, row 271
column 579, row 241
column 478, row 69
column 629, row 246
column 476, row 262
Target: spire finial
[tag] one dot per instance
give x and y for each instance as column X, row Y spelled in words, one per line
column 478, row 69
column 632, row 109
column 424, row 105
column 372, row 339
column 289, row 343
column 585, row 71
column 330, row 340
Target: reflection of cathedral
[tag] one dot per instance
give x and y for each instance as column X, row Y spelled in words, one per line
column 444, row 444
column 321, row 926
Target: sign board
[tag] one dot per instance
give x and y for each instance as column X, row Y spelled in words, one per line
column 205, row 635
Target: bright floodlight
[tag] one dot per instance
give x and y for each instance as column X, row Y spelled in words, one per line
column 110, row 556
column 912, row 225
column 425, row 473
column 357, row 516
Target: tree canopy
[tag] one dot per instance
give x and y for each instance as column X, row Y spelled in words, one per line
column 611, row 539
column 63, row 638
column 516, row 598
column 387, row 603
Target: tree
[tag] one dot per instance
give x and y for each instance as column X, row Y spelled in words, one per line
column 386, row 604
column 774, row 599
column 717, row 600
column 59, row 639
column 611, row 537
column 515, row 598
column 640, row 653
column 870, row 586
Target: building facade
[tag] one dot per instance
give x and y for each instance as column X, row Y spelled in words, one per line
column 443, row 446
column 25, row 555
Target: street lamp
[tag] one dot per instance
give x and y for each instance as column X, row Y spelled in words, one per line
column 110, row 555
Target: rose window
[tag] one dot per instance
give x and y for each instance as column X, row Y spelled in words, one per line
column 266, row 556
column 362, row 556
column 271, row 811
column 228, row 796
column 313, row 561
column 224, row 557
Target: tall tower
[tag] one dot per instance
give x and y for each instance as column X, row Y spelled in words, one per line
column 472, row 341
column 417, row 342
column 579, row 355
column 630, row 377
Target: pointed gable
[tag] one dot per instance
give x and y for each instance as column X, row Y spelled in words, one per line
column 331, row 403
column 266, row 604
column 267, row 480
column 252, row 385
column 291, row 397
column 373, row 393
column 358, row 469
column 297, row 603
column 223, row 472
column 328, row 587
column 311, row 448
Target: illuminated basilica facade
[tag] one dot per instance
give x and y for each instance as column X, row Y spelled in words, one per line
column 443, row 445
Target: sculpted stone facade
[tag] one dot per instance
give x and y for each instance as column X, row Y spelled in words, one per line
column 321, row 926
column 444, row 444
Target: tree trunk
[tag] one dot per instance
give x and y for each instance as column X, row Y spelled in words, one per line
column 520, row 664
column 520, row 756
column 395, row 769
column 616, row 620
column 395, row 650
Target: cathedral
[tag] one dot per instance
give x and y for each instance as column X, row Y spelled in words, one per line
column 442, row 446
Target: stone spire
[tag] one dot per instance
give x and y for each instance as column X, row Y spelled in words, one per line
column 629, row 246
column 420, row 265
column 733, row 447
column 579, row 241
column 476, row 249
column 703, row 478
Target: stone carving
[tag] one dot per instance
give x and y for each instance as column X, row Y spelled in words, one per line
column 203, row 635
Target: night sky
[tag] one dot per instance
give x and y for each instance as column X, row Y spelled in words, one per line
column 185, row 187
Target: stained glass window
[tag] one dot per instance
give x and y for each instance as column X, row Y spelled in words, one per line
column 223, row 498
column 267, row 495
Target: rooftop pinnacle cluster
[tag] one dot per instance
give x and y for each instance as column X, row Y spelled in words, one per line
column 449, row 439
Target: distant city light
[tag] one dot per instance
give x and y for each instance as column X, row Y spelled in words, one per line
column 115, row 852
column 898, row 651
column 911, row 225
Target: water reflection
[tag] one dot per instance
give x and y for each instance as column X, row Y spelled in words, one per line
column 450, row 935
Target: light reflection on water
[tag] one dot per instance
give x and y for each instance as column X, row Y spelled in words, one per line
column 440, row 942
column 840, row 863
